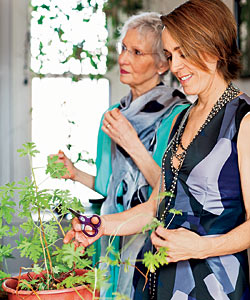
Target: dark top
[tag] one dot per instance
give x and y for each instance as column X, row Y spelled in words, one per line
column 209, row 194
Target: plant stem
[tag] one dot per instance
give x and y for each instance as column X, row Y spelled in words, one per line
column 45, row 241
column 170, row 221
column 45, row 259
column 21, row 281
column 29, row 286
column 77, row 293
column 95, row 284
column 42, row 233
column 58, row 223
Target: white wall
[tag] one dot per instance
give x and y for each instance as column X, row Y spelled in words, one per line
column 14, row 94
column 15, row 121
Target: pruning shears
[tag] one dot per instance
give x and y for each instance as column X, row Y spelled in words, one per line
column 88, row 221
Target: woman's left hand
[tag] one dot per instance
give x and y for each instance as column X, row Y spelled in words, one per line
column 119, row 129
column 182, row 244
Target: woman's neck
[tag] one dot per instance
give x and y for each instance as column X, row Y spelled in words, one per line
column 207, row 99
column 137, row 91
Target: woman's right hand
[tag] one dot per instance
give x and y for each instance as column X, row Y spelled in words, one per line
column 76, row 235
column 62, row 158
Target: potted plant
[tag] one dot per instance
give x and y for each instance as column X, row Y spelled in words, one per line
column 57, row 270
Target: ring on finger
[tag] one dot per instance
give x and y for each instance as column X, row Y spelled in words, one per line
column 108, row 125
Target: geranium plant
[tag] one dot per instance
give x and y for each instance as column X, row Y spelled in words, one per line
column 42, row 238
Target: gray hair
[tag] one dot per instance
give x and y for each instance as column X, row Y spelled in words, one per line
column 144, row 23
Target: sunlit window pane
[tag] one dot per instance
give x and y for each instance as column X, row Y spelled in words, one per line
column 66, row 112
column 68, row 37
column 65, row 34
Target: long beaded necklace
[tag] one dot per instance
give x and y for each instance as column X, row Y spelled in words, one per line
column 230, row 93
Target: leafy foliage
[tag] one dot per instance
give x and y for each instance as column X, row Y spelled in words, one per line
column 3, row 275
column 25, row 283
column 41, row 236
column 28, row 149
column 54, row 22
column 153, row 225
column 154, row 261
column 40, row 242
column 119, row 296
column 5, row 252
column 56, row 170
column 30, row 247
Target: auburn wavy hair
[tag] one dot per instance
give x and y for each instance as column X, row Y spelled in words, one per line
column 206, row 27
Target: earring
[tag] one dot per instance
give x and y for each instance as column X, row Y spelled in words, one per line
column 159, row 73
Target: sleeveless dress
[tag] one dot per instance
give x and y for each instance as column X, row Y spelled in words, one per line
column 208, row 192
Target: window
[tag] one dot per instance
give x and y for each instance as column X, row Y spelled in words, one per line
column 68, row 46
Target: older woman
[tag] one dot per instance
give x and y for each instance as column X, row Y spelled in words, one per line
column 133, row 133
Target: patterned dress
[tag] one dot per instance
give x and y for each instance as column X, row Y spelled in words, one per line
column 209, row 194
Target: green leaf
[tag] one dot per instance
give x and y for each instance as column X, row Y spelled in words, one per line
column 30, row 248
column 5, row 252
column 37, row 269
column 28, row 149
column 109, row 261
column 153, row 225
column 40, row 21
column 97, row 278
column 164, row 194
column 46, row 7
column 4, row 275
column 119, row 296
column 90, row 251
column 51, row 232
column 54, row 168
column 14, row 230
column 28, row 226
column 56, row 270
column 79, row 7
column 24, row 284
column 175, row 211
column 154, row 261
column 4, row 231
column 71, row 254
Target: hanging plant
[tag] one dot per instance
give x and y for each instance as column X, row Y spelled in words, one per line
column 68, row 39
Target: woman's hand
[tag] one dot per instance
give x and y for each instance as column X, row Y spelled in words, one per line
column 119, row 129
column 62, row 158
column 182, row 244
column 76, row 235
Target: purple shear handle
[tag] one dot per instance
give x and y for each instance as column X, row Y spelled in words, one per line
column 87, row 221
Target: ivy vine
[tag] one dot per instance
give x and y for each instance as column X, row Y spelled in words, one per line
column 49, row 12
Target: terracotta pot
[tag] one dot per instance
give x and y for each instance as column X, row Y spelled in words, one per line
column 9, row 285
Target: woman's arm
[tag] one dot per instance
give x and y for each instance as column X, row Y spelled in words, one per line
column 74, row 173
column 239, row 238
column 125, row 223
column 120, row 130
column 184, row 244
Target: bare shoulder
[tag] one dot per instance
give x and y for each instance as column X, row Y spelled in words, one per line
column 245, row 125
column 244, row 137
